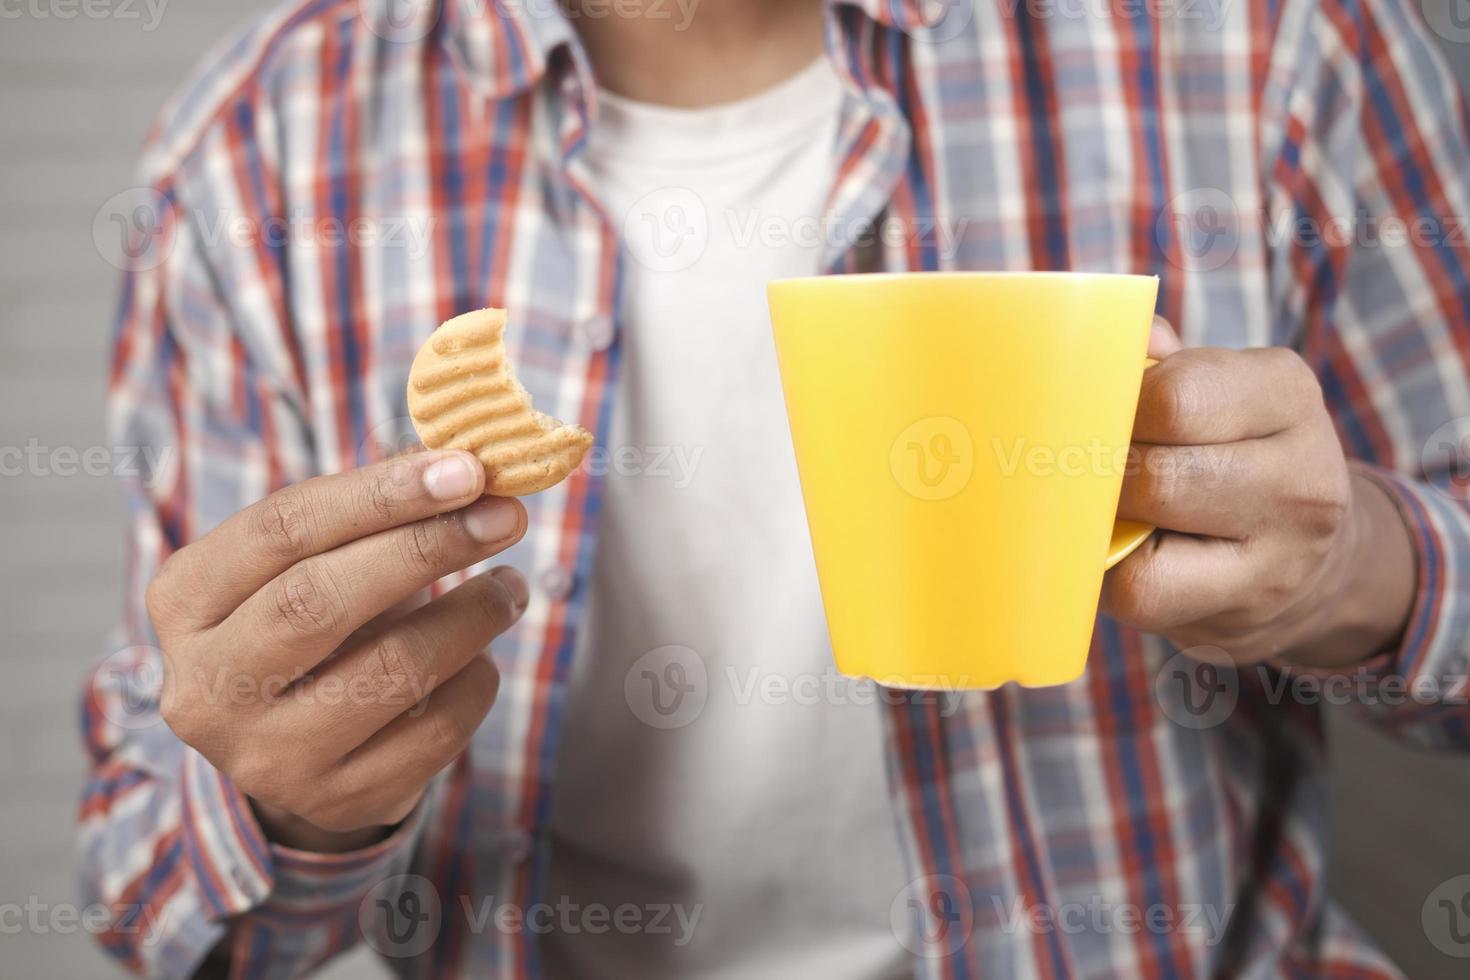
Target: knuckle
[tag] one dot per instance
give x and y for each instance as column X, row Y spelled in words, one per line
column 1132, row 593
column 258, row 774
column 1177, row 472
column 336, row 814
column 1323, row 505
column 489, row 688
column 495, row 604
column 1160, row 480
column 283, row 522
column 450, row 731
column 177, row 708
column 392, row 665
column 1291, row 366
column 307, row 603
column 1298, row 381
column 380, row 493
column 1197, row 470
column 1180, row 394
column 424, row 547
column 160, row 599
column 155, row 601
column 1276, row 592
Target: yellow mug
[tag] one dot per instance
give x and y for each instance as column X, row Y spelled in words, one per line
column 961, row 440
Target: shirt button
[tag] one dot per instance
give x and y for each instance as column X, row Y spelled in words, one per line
column 598, row 332
column 515, row 846
column 558, row 582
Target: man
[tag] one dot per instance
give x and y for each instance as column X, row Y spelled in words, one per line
column 294, row 748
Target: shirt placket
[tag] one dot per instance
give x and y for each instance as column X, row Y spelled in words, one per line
column 594, row 274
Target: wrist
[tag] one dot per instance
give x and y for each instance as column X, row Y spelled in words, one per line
column 288, row 830
column 1362, row 606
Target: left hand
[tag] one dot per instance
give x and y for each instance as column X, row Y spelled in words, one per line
column 1268, row 544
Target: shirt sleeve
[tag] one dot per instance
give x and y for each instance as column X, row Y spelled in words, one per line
column 1368, row 184
column 203, row 394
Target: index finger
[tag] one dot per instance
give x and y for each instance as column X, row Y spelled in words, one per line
column 1206, row 396
column 236, row 559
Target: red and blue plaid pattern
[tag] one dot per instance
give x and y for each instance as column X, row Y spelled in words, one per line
column 1190, row 140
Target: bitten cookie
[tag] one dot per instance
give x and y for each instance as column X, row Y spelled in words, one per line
column 461, row 395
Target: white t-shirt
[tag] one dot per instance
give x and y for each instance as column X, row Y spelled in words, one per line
column 712, row 758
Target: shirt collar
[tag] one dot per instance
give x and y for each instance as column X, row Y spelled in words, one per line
column 505, row 46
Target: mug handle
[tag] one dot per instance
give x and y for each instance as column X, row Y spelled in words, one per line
column 1128, row 535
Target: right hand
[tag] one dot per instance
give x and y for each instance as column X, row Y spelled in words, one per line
column 289, row 665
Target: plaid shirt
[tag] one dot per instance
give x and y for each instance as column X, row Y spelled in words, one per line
column 1254, row 155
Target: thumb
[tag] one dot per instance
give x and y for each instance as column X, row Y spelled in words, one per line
column 1162, row 340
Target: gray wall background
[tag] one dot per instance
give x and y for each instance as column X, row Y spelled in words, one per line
column 76, row 96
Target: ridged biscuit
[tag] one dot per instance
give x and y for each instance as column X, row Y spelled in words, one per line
column 461, row 395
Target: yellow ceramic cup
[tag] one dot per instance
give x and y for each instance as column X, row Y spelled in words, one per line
column 961, row 440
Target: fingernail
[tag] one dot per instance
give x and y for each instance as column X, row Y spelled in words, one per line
column 492, row 519
column 452, row 478
column 514, row 583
